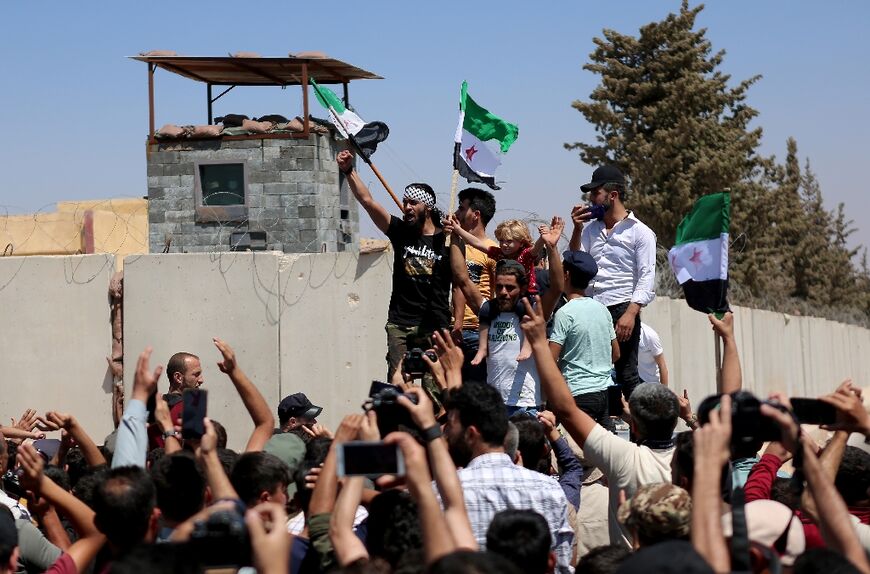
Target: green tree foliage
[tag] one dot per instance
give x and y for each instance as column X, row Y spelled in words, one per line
column 664, row 114
column 679, row 128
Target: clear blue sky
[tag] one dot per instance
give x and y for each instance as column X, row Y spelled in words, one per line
column 76, row 114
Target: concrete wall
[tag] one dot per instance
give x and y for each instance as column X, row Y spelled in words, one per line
column 294, row 194
column 54, row 337
column 312, row 323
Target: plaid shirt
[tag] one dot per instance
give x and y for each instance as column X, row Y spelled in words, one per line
column 491, row 483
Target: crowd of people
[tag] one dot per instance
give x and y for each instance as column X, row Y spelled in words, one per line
column 511, row 456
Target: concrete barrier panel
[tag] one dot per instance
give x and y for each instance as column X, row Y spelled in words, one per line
column 333, row 312
column 178, row 302
column 55, row 335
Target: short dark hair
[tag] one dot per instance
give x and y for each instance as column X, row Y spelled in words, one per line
column 617, row 187
column 228, row 458
column 58, row 476
column 824, row 560
column 853, row 476
column 123, row 505
column 479, row 200
column 176, row 364
column 471, row 562
column 577, row 278
column 480, row 405
column 154, row 456
column 654, row 410
column 603, row 559
column 85, row 488
column 521, row 536
column 683, row 464
column 393, row 526
column 221, row 433
column 783, row 491
column 258, row 472
column 514, row 268
column 76, row 465
column 180, row 486
column 315, row 453
column 532, row 442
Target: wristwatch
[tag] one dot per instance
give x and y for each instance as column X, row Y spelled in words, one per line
column 169, row 433
column 432, row 433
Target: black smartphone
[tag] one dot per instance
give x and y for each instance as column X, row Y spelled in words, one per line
column 813, row 411
column 371, row 459
column 195, row 403
column 614, row 401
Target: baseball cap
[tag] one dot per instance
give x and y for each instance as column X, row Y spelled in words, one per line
column 658, row 511
column 581, row 261
column 47, row 447
column 602, row 175
column 297, row 405
column 771, row 524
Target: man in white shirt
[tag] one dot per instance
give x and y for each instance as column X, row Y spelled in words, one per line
column 651, row 364
column 625, row 251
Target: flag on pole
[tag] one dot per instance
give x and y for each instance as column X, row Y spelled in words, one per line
column 367, row 135
column 473, row 159
column 700, row 257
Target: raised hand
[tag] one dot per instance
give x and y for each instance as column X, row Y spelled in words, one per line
column 228, row 365
column 580, row 214
column 533, row 324
column 723, row 327
column 551, row 234
column 344, row 160
column 851, row 414
column 32, row 466
column 145, row 380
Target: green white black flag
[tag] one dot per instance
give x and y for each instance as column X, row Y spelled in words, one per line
column 700, row 257
column 472, row 158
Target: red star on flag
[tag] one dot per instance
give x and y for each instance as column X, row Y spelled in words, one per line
column 469, row 153
column 696, row 257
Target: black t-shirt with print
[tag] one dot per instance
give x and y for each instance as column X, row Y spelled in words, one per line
column 421, row 277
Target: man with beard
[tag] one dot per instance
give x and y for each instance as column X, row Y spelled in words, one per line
column 476, row 426
column 516, row 378
column 625, row 251
column 419, row 303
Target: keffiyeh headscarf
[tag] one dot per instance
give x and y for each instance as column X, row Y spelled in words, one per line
column 422, row 193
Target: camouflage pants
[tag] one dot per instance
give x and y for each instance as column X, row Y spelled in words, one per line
column 401, row 339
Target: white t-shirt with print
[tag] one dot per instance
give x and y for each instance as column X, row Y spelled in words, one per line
column 518, row 383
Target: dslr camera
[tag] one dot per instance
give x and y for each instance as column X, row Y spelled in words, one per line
column 748, row 425
column 413, row 363
column 384, row 400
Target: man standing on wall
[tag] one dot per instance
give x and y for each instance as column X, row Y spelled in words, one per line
column 476, row 209
column 625, row 251
column 419, row 303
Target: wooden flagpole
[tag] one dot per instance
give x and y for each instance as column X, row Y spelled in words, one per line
column 718, row 341
column 360, row 153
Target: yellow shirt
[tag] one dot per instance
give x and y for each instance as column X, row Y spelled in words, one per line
column 481, row 270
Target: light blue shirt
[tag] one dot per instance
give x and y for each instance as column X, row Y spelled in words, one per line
column 131, row 446
column 584, row 328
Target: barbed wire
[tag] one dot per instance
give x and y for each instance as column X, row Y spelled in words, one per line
column 128, row 237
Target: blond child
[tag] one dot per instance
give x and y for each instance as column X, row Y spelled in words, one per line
column 515, row 242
